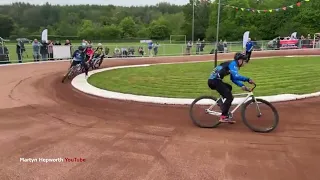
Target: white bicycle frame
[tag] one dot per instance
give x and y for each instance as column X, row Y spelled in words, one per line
column 249, row 95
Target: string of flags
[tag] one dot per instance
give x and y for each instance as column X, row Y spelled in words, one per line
column 298, row 4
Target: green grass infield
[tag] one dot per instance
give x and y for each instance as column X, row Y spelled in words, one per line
column 283, row 75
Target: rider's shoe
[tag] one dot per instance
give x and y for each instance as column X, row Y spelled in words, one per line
column 226, row 119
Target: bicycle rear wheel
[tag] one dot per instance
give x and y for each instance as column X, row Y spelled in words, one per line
column 209, row 112
column 260, row 105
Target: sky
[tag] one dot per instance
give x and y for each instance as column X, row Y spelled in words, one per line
column 102, row 2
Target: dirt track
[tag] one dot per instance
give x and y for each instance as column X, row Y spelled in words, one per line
column 42, row 118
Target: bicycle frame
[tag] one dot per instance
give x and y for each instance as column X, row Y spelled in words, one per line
column 248, row 96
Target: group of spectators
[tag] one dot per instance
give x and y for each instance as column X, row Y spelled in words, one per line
column 308, row 42
column 40, row 50
column 199, row 47
column 153, row 49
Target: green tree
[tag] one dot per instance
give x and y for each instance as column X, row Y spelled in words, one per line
column 128, row 27
column 201, row 19
column 131, row 22
column 112, row 32
column 7, row 26
column 175, row 22
column 143, row 32
column 158, row 30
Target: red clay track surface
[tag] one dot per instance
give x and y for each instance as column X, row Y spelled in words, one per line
column 42, row 118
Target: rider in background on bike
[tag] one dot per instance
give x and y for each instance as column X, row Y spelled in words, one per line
column 79, row 57
column 89, row 53
column 99, row 52
column 224, row 89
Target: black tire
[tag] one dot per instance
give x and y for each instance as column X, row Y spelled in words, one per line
column 101, row 61
column 67, row 75
column 196, row 120
column 263, row 130
column 96, row 64
column 70, row 74
column 64, row 78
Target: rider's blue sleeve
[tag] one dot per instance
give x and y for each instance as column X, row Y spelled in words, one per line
column 74, row 54
column 238, row 83
column 235, row 76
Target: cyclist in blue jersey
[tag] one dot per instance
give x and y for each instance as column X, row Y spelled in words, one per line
column 79, row 57
column 224, row 89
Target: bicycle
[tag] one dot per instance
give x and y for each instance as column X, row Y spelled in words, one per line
column 73, row 71
column 95, row 63
column 244, row 103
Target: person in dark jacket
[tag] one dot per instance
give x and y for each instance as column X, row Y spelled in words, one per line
column 249, row 49
column 44, row 51
column 19, row 50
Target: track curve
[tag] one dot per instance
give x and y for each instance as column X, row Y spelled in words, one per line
column 43, row 118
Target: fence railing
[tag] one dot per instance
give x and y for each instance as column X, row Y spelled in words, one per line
column 10, row 53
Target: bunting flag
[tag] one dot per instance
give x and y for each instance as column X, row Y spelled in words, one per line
column 298, row 4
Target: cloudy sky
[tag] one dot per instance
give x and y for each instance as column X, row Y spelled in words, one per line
column 103, row 2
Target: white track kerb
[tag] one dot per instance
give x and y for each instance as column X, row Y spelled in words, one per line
column 80, row 83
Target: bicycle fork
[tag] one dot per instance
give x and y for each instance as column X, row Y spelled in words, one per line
column 257, row 107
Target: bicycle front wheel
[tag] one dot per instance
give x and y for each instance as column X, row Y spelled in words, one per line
column 204, row 112
column 260, row 115
column 69, row 73
column 95, row 64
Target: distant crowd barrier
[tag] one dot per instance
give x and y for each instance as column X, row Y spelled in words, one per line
column 10, row 54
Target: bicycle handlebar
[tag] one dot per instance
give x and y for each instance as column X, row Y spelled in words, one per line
column 254, row 86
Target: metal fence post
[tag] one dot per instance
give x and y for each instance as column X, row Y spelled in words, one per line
column 181, row 54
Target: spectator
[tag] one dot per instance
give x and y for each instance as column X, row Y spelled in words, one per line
column 150, row 44
column 36, row 50
column 68, row 43
column 124, row 52
column 309, row 36
column 155, row 48
column 131, row 51
column 89, row 43
column 225, row 46
column 19, row 50
column 198, row 46
column 220, row 46
column 140, row 50
column 202, row 45
column 57, row 43
column 249, row 48
column 4, row 52
column 50, row 50
column 188, row 49
column 44, row 50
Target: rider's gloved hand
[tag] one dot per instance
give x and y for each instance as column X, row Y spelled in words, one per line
column 251, row 81
column 245, row 88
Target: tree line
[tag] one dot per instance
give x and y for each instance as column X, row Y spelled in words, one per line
column 160, row 21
